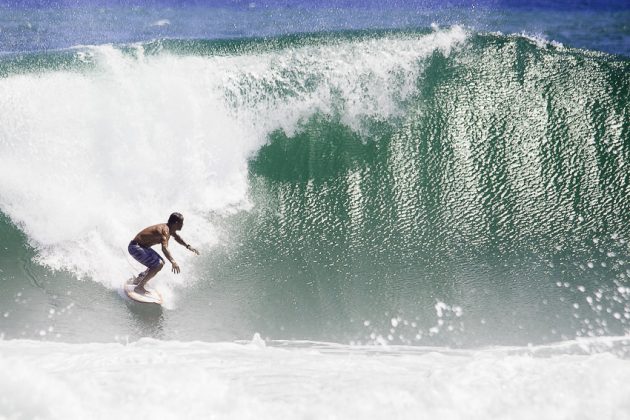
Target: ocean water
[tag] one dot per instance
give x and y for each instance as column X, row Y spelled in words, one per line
column 404, row 209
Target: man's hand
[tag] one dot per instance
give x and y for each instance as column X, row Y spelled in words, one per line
column 190, row 248
column 175, row 267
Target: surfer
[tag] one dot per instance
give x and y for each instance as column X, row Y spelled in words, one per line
column 140, row 249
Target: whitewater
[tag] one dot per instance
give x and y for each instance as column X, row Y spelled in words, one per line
column 153, row 379
column 393, row 223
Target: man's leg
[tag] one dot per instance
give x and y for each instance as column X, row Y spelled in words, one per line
column 150, row 274
column 139, row 277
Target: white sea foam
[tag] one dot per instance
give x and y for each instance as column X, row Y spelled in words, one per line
column 89, row 158
column 541, row 41
column 161, row 22
column 168, row 380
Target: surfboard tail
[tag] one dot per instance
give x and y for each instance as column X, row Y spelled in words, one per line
column 152, row 295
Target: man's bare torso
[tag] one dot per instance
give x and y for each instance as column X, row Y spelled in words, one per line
column 153, row 235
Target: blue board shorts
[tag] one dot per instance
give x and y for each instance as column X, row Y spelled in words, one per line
column 145, row 256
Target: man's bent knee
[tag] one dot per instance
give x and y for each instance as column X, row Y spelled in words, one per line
column 157, row 267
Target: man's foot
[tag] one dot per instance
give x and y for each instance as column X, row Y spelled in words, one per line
column 138, row 279
column 141, row 290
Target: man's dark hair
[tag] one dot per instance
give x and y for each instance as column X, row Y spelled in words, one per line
column 174, row 218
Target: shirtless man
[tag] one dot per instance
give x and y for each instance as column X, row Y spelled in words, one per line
column 140, row 249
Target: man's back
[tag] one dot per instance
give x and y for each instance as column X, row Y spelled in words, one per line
column 152, row 235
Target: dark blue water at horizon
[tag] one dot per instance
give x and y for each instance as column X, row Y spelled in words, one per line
column 38, row 25
column 378, row 4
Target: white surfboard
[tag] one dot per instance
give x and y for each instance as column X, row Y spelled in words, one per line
column 153, row 296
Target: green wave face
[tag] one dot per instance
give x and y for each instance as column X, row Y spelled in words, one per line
column 496, row 206
column 485, row 200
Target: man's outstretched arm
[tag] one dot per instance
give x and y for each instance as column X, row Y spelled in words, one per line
column 168, row 255
column 182, row 242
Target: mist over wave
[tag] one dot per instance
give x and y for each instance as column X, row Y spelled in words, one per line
column 137, row 136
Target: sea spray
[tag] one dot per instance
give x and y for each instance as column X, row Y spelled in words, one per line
column 90, row 157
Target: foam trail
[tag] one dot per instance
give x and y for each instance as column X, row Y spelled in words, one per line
column 89, row 158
